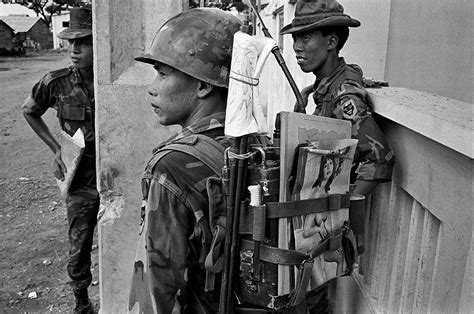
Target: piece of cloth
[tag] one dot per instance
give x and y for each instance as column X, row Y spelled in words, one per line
column 64, row 91
column 244, row 113
column 341, row 95
column 167, row 274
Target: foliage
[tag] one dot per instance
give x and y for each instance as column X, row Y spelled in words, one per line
column 45, row 9
column 225, row 5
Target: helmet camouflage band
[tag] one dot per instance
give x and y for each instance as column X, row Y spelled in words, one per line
column 197, row 42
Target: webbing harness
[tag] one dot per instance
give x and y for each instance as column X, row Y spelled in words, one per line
column 209, row 152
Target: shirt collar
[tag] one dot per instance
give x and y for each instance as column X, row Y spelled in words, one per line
column 213, row 121
column 76, row 76
column 321, row 87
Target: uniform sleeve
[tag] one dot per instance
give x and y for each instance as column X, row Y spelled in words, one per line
column 40, row 100
column 351, row 103
column 373, row 158
column 168, row 225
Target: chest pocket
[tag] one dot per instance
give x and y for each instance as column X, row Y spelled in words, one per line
column 72, row 114
column 71, row 111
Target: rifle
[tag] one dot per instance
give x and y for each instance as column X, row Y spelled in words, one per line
column 236, row 188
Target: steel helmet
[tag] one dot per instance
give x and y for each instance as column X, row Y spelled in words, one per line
column 197, row 42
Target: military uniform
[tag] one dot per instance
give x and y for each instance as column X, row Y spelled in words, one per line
column 169, row 257
column 64, row 91
column 341, row 95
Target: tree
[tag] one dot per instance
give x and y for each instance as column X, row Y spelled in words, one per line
column 45, row 9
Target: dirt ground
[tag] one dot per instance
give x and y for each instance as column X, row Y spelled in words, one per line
column 33, row 225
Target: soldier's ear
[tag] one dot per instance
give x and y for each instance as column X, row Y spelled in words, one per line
column 204, row 89
column 332, row 41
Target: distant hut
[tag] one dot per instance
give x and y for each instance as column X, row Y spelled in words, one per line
column 29, row 32
column 6, row 36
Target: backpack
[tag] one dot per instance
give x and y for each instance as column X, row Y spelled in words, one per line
column 253, row 227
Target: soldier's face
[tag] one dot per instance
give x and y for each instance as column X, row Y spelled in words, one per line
column 81, row 52
column 311, row 50
column 173, row 95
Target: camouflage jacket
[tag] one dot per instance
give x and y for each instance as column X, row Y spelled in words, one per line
column 64, row 91
column 341, row 95
column 168, row 272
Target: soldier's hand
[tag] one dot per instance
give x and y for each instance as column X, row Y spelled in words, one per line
column 305, row 92
column 59, row 167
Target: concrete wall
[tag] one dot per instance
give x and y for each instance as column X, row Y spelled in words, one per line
column 430, row 47
column 126, row 132
column 419, row 227
column 422, row 45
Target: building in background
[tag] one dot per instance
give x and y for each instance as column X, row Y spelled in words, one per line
column 6, row 37
column 31, row 33
column 58, row 23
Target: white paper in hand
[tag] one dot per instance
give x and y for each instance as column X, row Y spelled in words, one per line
column 244, row 114
column 71, row 154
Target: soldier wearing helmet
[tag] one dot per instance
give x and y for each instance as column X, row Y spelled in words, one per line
column 320, row 29
column 70, row 91
column 191, row 54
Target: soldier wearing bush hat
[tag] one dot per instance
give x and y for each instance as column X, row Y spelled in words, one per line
column 70, row 91
column 319, row 30
column 315, row 14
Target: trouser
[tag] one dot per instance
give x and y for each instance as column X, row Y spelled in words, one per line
column 82, row 202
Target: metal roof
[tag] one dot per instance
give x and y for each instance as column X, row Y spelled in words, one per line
column 20, row 23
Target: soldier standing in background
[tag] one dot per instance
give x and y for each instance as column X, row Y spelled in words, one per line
column 70, row 91
column 320, row 29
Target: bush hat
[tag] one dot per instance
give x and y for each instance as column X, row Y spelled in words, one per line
column 80, row 24
column 311, row 14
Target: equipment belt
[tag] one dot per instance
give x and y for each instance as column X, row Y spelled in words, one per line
column 279, row 256
column 308, row 206
column 296, row 208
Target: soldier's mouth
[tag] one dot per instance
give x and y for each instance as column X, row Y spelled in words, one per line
column 300, row 59
column 156, row 109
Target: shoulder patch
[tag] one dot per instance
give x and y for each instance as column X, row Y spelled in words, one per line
column 53, row 75
column 349, row 109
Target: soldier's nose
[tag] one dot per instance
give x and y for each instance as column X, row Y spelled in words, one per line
column 152, row 91
column 296, row 46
